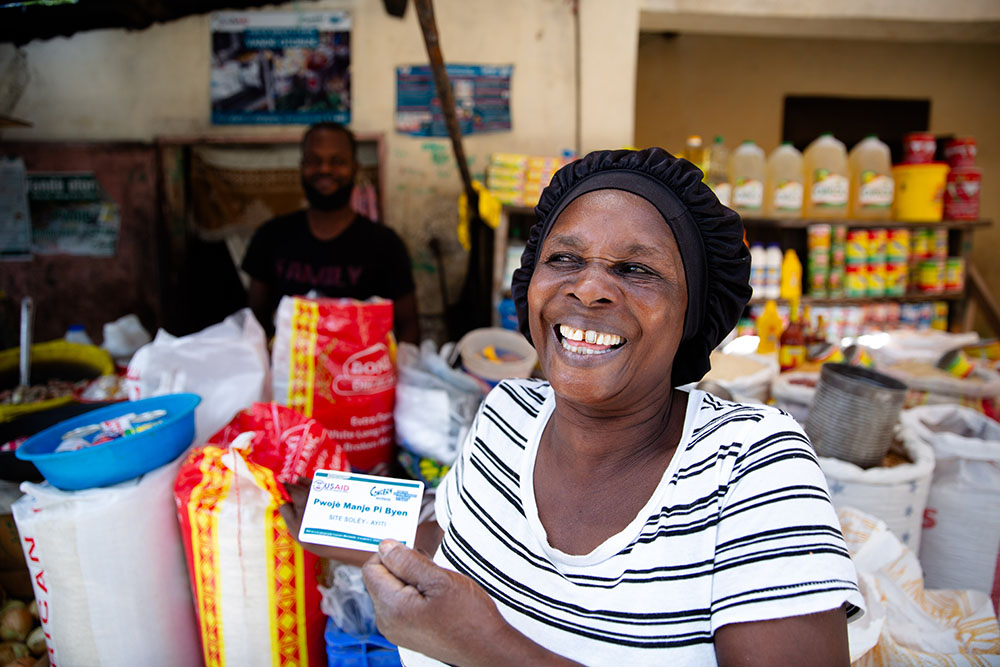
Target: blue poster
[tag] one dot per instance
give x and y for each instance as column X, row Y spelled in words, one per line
column 482, row 100
column 281, row 67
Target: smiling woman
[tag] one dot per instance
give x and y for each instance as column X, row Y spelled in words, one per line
column 605, row 516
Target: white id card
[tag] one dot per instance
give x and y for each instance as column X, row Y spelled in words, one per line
column 359, row 511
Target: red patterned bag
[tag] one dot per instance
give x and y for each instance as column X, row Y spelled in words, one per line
column 254, row 587
column 334, row 360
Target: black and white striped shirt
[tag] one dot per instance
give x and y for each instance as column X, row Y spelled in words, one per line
column 740, row 528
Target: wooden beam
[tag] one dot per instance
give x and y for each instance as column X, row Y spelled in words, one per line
column 980, row 291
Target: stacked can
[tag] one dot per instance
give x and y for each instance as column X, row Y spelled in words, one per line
column 939, row 315
column 838, row 252
column 897, row 257
column 877, row 239
column 954, row 274
column 961, row 194
column 856, row 254
column 818, row 245
column 928, row 251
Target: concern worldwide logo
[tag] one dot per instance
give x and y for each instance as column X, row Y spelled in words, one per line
column 369, row 371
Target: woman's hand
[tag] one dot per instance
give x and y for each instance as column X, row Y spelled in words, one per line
column 443, row 614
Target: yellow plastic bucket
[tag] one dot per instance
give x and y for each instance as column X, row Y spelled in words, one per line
column 919, row 191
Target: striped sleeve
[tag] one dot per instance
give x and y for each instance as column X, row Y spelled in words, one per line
column 779, row 550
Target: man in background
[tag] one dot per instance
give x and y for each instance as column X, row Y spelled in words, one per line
column 327, row 248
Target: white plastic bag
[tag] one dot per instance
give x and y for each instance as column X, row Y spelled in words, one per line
column 793, row 392
column 960, row 547
column 108, row 573
column 895, row 494
column 347, row 601
column 906, row 623
column 226, row 364
column 435, row 404
column 123, row 337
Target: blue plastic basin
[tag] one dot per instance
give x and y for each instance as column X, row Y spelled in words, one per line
column 117, row 460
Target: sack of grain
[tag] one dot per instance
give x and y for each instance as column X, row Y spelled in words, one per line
column 108, row 573
column 960, row 546
column 895, row 492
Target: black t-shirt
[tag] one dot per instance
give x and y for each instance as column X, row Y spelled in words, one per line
column 366, row 260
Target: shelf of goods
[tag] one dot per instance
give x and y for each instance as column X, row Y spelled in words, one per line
column 793, row 233
column 515, row 221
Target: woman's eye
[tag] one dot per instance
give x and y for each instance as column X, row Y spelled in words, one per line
column 634, row 269
column 562, row 258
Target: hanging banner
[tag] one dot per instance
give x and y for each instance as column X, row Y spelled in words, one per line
column 71, row 214
column 482, row 100
column 281, row 67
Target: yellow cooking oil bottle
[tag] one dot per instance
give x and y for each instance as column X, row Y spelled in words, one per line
column 825, row 165
column 871, row 190
column 769, row 328
column 747, row 169
column 783, row 188
column 791, row 275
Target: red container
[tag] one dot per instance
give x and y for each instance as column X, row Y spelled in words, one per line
column 961, row 194
column 961, row 152
column 919, row 147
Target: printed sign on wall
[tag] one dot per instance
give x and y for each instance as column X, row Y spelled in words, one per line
column 281, row 67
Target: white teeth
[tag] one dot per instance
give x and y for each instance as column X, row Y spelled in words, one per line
column 582, row 350
column 569, row 333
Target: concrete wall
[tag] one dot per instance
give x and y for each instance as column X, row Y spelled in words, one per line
column 735, row 86
column 115, row 84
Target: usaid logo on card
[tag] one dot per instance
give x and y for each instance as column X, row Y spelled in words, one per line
column 329, row 485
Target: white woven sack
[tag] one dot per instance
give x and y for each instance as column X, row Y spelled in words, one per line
column 961, row 539
column 754, row 387
column 897, row 495
column 794, row 398
column 108, row 572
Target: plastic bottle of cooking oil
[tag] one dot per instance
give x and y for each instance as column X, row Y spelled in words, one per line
column 747, row 169
column 825, row 165
column 717, row 172
column 694, row 151
column 871, row 190
column 783, row 187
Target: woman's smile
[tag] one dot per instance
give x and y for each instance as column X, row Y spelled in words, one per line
column 587, row 341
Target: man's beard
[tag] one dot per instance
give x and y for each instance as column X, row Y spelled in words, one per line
column 336, row 200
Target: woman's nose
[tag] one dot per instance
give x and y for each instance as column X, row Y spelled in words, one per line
column 593, row 285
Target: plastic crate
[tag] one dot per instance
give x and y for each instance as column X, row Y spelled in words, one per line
column 347, row 650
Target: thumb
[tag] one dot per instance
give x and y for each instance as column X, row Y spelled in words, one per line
column 409, row 566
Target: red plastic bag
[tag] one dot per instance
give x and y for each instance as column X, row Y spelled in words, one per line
column 334, row 360
column 255, row 588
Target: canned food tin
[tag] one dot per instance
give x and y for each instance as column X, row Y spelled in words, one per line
column 939, row 315
column 856, row 284
column 818, row 276
column 909, row 315
column 877, row 244
column 819, row 236
column 876, row 279
column 961, row 193
column 931, row 274
column 897, row 247
column 954, row 274
column 919, row 147
column 940, row 248
column 920, row 243
column 857, row 246
column 835, row 281
column 960, row 152
column 896, row 278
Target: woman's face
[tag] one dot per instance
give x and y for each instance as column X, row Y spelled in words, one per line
column 607, row 300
